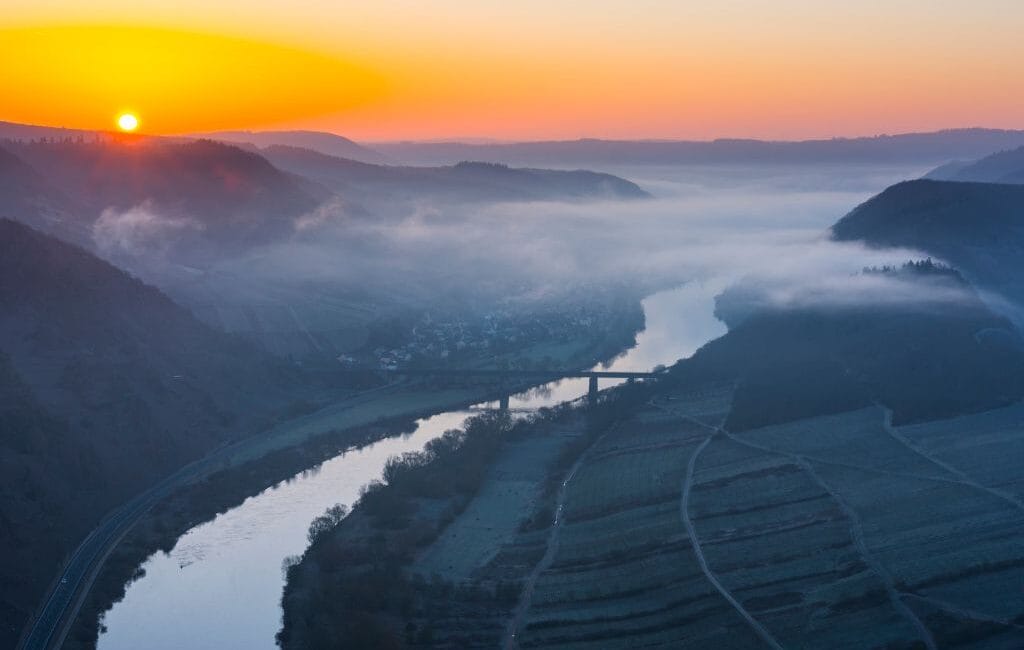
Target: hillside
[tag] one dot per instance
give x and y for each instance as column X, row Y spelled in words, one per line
column 1001, row 167
column 977, row 227
column 197, row 199
column 770, row 491
column 27, row 196
column 464, row 182
column 936, row 352
column 105, row 386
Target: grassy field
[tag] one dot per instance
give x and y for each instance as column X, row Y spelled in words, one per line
column 506, row 499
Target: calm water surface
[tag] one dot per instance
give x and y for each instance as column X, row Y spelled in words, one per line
column 220, row 586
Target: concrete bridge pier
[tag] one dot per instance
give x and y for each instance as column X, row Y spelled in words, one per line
column 503, row 403
column 592, row 390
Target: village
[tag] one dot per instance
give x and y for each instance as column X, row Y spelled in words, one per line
column 452, row 340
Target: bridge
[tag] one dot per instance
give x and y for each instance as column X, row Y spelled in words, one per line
column 541, row 374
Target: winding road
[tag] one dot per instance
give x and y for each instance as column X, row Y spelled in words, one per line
column 48, row 629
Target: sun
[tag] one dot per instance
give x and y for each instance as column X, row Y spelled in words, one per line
column 127, row 122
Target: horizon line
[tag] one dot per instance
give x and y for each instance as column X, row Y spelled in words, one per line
column 487, row 140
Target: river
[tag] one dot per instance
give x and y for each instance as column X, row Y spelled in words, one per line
column 221, row 584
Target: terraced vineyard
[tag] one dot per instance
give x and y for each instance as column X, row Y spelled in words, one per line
column 667, row 530
column 832, row 532
column 624, row 573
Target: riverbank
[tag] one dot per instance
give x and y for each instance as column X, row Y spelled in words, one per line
column 404, row 558
column 288, row 450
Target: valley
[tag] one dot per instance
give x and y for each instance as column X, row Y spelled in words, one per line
column 778, row 485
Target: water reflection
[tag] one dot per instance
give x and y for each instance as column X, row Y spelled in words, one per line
column 220, row 586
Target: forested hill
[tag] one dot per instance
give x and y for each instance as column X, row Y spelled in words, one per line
column 199, row 198
column 918, row 341
column 1002, row 167
column 106, row 385
column 976, row 227
column 26, row 195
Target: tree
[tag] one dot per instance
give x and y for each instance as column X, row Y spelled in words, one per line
column 326, row 522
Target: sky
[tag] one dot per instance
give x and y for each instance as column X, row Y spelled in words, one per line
column 531, row 69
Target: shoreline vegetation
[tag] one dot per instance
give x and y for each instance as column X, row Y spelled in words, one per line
column 311, row 445
column 358, row 579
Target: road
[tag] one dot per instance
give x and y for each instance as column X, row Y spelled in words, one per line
column 68, row 591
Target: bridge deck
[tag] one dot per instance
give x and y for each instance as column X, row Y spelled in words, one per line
column 546, row 373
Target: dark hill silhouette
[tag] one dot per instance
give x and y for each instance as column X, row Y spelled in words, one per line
column 1002, row 167
column 464, row 182
column 977, row 227
column 106, row 385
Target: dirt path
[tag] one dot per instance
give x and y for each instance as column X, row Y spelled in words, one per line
column 510, row 640
column 965, row 478
column 857, row 532
column 684, row 509
column 962, row 612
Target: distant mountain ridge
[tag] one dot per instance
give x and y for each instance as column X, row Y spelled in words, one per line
column 910, row 147
column 465, row 181
column 326, row 143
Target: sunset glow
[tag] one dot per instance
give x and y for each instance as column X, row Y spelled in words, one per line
column 394, row 70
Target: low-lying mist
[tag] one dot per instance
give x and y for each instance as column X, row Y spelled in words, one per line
column 721, row 223
column 702, row 223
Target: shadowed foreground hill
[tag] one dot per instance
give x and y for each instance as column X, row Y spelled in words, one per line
column 977, row 227
column 105, row 386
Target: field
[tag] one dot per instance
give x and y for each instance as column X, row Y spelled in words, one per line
column 494, row 515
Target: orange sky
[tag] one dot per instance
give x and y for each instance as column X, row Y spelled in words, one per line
column 532, row 69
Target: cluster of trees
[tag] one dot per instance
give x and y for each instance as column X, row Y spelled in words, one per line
column 452, row 465
column 352, row 581
column 925, row 267
column 326, row 522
